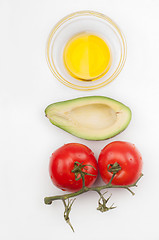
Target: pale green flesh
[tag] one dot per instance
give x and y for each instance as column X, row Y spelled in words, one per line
column 93, row 118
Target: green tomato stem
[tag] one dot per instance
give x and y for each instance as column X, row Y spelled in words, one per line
column 102, row 202
column 49, row 200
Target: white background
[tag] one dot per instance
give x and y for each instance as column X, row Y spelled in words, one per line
column 28, row 139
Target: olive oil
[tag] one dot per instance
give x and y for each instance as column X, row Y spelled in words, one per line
column 87, row 57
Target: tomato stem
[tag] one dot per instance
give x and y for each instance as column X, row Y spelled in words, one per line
column 49, row 200
column 102, row 202
column 78, row 170
column 111, row 178
column 114, row 168
column 67, row 211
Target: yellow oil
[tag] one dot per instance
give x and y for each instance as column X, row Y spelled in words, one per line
column 87, row 56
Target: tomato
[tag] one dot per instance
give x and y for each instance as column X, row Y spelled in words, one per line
column 62, row 163
column 127, row 156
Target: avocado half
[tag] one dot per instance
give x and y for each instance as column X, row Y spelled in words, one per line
column 91, row 118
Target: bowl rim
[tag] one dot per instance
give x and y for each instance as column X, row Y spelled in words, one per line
column 54, row 70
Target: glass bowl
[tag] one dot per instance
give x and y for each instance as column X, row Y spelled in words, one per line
column 89, row 22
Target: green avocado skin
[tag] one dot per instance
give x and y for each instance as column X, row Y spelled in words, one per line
column 55, row 113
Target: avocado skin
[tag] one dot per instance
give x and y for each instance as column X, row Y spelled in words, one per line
column 91, row 100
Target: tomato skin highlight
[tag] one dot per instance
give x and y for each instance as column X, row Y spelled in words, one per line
column 127, row 156
column 62, row 163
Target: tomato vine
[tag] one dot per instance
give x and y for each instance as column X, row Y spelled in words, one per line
column 68, row 199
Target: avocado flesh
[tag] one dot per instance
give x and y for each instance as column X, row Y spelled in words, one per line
column 92, row 118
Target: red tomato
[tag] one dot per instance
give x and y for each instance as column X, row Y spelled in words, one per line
column 62, row 163
column 127, row 156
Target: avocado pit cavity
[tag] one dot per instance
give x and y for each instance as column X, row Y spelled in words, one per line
column 94, row 116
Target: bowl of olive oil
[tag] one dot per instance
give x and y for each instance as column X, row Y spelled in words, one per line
column 86, row 50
